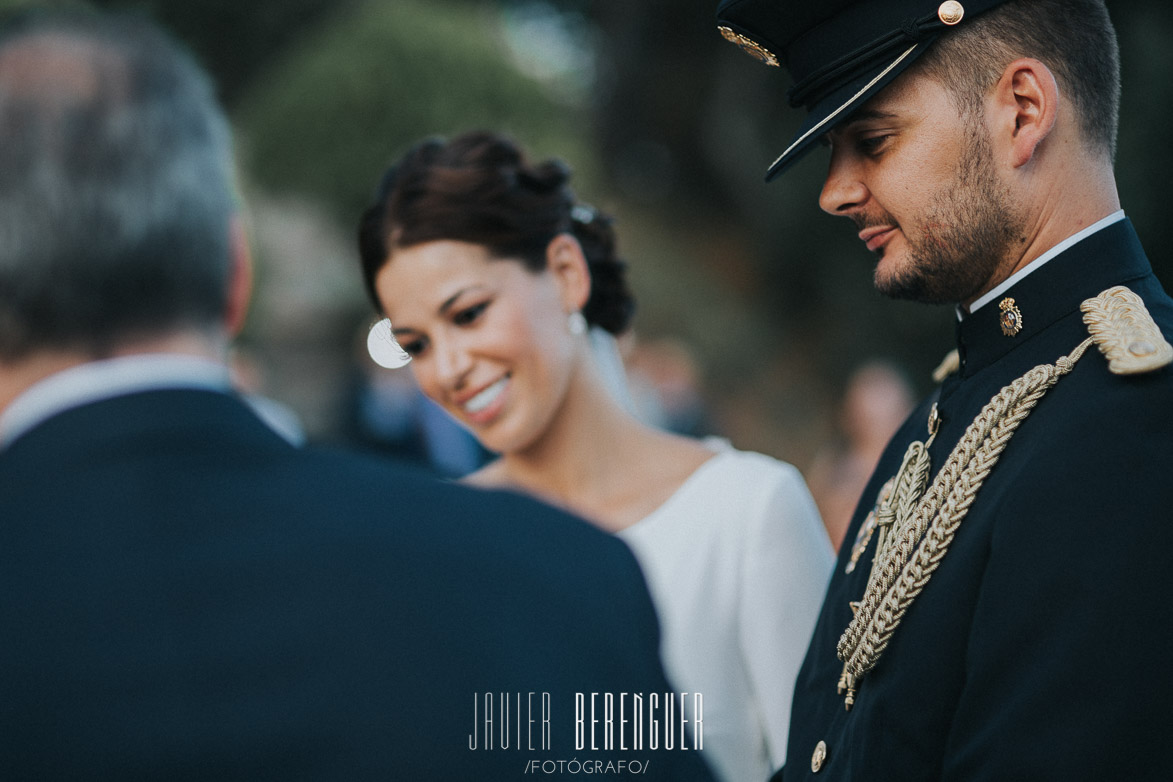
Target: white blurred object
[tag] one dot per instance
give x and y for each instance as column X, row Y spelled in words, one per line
column 383, row 348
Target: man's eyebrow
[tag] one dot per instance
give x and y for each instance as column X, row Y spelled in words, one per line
column 864, row 115
column 856, row 117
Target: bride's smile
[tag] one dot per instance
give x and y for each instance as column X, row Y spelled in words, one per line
column 481, row 401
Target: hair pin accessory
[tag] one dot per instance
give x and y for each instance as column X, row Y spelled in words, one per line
column 383, row 348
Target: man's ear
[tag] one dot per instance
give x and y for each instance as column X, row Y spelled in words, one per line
column 1026, row 106
column 567, row 263
column 240, row 277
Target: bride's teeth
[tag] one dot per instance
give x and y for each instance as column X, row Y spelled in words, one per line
column 485, row 398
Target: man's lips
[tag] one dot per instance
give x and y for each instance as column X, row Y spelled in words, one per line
column 876, row 236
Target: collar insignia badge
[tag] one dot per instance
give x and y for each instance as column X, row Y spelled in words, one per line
column 1011, row 318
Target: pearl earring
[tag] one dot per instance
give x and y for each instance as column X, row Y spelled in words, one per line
column 576, row 323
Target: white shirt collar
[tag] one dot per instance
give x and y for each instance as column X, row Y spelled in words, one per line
column 1037, row 263
column 104, row 379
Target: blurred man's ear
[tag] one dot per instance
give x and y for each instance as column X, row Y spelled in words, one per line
column 240, row 277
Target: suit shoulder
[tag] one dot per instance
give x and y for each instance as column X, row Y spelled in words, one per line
column 476, row 526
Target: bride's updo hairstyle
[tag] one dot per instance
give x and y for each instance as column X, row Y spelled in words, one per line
column 479, row 188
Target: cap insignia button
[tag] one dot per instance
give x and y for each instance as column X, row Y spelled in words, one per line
column 1011, row 319
column 820, row 757
column 950, row 12
column 752, row 48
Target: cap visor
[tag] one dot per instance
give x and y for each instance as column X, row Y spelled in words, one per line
column 840, row 104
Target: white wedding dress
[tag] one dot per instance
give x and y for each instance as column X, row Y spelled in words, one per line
column 737, row 561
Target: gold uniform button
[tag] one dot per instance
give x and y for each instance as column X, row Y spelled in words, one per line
column 950, row 12
column 820, row 757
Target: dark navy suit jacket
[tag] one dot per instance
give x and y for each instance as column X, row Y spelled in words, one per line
column 183, row 595
column 1039, row 648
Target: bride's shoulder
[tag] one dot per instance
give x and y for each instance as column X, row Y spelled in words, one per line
column 678, row 455
column 752, row 467
column 762, row 465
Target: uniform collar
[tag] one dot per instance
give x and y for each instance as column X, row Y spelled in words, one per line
column 1037, row 263
column 1110, row 256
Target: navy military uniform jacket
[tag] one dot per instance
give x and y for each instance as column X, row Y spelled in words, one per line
column 184, row 595
column 1039, row 648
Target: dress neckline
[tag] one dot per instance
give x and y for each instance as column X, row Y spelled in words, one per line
column 721, row 451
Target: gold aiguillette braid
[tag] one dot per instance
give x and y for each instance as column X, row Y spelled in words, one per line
column 906, row 491
column 901, row 571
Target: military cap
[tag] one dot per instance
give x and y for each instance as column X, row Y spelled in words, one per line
column 839, row 52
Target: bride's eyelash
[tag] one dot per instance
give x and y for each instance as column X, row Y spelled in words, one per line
column 413, row 348
column 869, row 145
column 469, row 314
column 462, row 317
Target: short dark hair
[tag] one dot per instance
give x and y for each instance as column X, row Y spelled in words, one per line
column 479, row 187
column 1074, row 38
column 116, row 185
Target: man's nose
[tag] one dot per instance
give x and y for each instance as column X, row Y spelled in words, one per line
column 843, row 191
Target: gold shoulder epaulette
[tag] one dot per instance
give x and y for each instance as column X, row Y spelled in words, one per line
column 1125, row 332
column 950, row 364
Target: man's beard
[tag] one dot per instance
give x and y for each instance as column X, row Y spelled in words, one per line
column 965, row 236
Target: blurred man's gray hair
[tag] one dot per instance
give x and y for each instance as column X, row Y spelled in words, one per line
column 116, row 186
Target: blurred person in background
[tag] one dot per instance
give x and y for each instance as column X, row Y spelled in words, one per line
column 666, row 385
column 186, row 594
column 876, row 401
column 498, row 284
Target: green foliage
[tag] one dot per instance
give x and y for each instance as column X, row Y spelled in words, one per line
column 230, row 38
column 233, row 38
column 330, row 114
column 16, row 6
